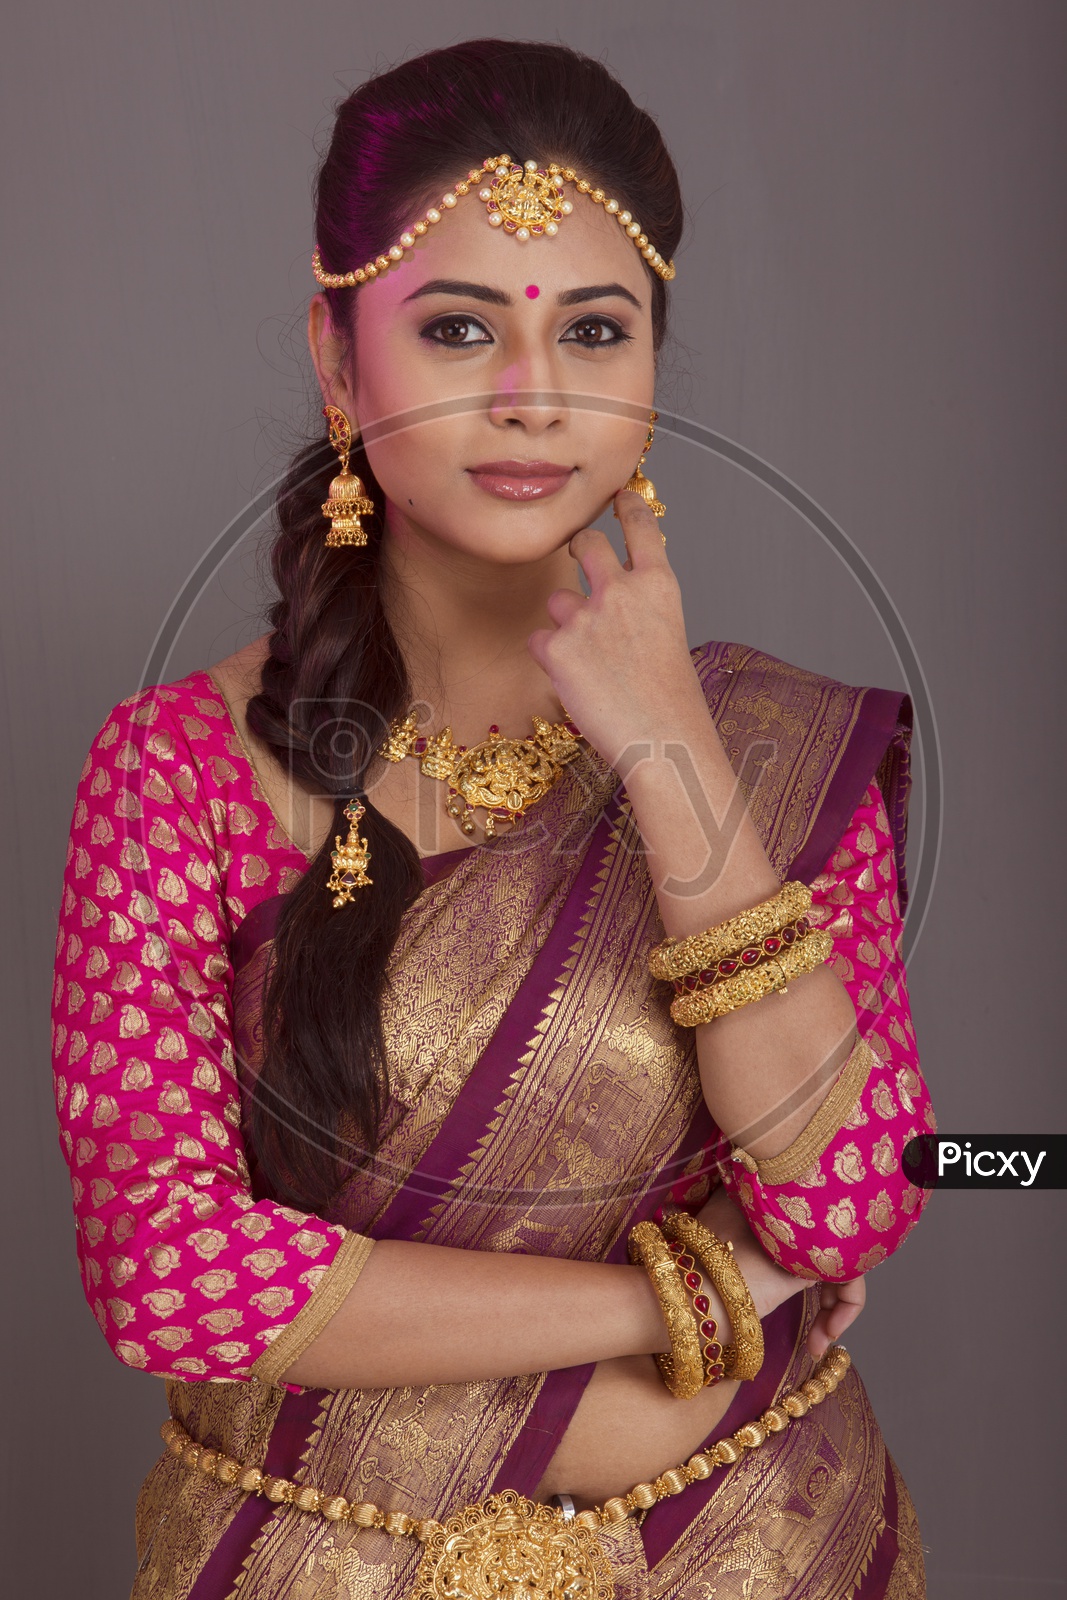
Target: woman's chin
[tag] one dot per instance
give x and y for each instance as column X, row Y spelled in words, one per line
column 501, row 538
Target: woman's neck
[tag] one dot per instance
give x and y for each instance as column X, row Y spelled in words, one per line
column 462, row 624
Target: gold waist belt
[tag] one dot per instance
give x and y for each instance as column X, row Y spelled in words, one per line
column 506, row 1540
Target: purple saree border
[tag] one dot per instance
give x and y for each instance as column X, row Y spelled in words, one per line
column 255, row 929
column 883, row 725
column 667, row 1521
column 288, row 1441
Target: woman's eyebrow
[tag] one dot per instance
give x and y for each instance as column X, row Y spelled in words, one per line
column 466, row 291
column 596, row 291
column 497, row 297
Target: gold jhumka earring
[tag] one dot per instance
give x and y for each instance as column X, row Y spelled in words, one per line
column 643, row 486
column 348, row 498
column 350, row 860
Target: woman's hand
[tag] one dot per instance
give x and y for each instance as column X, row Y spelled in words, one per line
column 618, row 659
column 770, row 1284
column 841, row 1305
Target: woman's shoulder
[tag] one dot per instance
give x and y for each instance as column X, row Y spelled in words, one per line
column 170, row 767
column 179, row 742
column 204, row 709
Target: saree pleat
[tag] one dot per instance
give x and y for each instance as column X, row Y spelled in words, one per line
column 542, row 1100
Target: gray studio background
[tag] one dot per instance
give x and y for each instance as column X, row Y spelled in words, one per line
column 869, row 298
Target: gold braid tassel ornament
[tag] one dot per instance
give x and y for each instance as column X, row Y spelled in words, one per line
column 348, row 497
column 643, row 486
column 350, row 860
column 508, row 1544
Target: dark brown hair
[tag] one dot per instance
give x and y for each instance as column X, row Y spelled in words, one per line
column 335, row 675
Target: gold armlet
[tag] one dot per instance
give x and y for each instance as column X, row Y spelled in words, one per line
column 683, row 1370
column 813, row 1139
column 675, row 958
column 743, row 1358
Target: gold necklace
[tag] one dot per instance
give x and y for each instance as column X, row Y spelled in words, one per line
column 503, row 776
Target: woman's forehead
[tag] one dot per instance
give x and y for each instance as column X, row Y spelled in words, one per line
column 588, row 250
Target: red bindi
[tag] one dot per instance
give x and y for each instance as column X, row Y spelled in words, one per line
column 532, row 291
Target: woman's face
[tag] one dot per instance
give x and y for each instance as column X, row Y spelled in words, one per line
column 537, row 360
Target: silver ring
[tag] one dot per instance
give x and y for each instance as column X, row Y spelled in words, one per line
column 567, row 1506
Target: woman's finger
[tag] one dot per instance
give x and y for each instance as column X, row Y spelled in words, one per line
column 853, row 1292
column 593, row 553
column 537, row 643
column 562, row 604
column 641, row 530
column 839, row 1306
column 819, row 1338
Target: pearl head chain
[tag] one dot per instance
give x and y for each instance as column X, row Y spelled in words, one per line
column 524, row 200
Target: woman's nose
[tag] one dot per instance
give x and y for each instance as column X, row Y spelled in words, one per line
column 527, row 393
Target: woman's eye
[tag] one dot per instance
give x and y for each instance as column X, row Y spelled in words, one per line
column 456, row 331
column 596, row 331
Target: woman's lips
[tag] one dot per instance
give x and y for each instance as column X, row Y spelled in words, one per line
column 520, row 480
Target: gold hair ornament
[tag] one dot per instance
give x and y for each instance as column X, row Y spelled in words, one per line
column 464, row 1556
column 348, row 498
column 350, row 860
column 523, row 199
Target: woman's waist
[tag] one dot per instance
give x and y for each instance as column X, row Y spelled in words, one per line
column 426, row 1451
column 627, row 1428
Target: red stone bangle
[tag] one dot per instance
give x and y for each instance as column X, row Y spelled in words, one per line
column 751, row 956
column 710, row 1348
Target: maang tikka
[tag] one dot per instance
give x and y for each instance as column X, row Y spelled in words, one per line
column 348, row 498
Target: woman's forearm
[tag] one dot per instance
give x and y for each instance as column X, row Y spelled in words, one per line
column 423, row 1313
column 708, row 863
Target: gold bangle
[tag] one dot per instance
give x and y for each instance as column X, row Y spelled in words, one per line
column 683, row 1370
column 674, row 958
column 707, row 1324
column 744, row 1357
column 704, row 1005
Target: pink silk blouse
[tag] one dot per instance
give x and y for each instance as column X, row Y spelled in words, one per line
column 189, row 1276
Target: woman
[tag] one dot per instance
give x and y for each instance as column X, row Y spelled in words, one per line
column 360, row 1114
